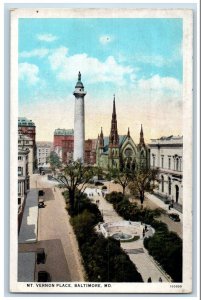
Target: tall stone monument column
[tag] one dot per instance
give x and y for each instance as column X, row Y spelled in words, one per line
column 79, row 120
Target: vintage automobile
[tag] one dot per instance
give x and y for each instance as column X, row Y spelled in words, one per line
column 44, row 276
column 40, row 256
column 174, row 217
column 40, row 193
column 41, row 203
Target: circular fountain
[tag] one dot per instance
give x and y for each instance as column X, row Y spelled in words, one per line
column 126, row 231
column 121, row 236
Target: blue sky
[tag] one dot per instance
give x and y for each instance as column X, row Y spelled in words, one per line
column 140, row 60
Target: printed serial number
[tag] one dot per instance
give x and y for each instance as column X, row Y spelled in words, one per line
column 176, row 285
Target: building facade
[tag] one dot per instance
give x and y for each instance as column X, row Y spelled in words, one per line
column 90, row 151
column 27, row 128
column 166, row 153
column 64, row 143
column 43, row 153
column 23, row 180
column 25, row 142
column 120, row 151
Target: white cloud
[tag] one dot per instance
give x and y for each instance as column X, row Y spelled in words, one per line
column 93, row 70
column 41, row 52
column 46, row 37
column 29, row 73
column 105, row 39
column 160, row 84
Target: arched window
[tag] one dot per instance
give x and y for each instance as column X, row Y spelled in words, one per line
column 128, row 152
column 162, row 184
column 169, row 185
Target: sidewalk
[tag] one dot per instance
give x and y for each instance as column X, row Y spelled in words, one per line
column 162, row 205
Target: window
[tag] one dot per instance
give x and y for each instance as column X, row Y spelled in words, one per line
column 169, row 185
column 154, row 160
column 177, row 164
column 19, row 201
column 20, row 170
column 128, row 152
column 27, row 142
column 19, row 157
column 162, row 184
column 169, row 163
column 162, row 162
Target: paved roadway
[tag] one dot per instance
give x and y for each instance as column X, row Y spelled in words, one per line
column 55, row 234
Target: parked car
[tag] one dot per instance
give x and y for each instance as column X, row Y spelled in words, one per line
column 41, row 203
column 43, row 276
column 174, row 217
column 40, row 256
column 40, row 193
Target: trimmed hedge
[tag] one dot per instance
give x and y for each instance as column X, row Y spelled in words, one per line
column 164, row 246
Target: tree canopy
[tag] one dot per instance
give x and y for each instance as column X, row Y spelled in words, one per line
column 144, row 180
column 74, row 177
column 54, row 160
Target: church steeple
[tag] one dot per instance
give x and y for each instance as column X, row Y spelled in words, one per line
column 128, row 134
column 142, row 137
column 114, row 137
column 101, row 139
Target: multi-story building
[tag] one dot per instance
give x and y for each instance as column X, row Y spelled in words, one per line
column 64, row 146
column 23, row 180
column 43, row 153
column 27, row 127
column 63, row 143
column 27, row 142
column 90, row 151
column 166, row 154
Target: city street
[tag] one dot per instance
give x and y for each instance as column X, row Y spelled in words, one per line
column 56, row 236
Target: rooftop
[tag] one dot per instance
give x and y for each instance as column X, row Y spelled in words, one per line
column 63, row 131
column 44, row 144
column 168, row 140
column 22, row 121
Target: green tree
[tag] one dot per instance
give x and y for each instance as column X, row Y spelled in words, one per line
column 143, row 180
column 74, row 177
column 54, row 160
column 122, row 177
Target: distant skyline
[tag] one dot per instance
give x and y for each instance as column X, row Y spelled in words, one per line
column 138, row 60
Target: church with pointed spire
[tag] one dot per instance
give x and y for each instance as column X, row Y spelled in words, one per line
column 120, row 151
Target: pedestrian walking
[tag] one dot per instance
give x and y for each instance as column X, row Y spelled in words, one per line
column 160, row 279
column 149, row 279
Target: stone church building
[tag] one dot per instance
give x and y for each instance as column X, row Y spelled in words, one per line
column 120, row 151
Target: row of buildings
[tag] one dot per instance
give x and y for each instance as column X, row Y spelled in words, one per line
column 113, row 150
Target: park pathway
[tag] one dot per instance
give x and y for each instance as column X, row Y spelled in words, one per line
column 145, row 264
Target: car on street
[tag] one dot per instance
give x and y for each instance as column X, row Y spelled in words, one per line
column 174, row 217
column 40, row 193
column 44, row 276
column 41, row 203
